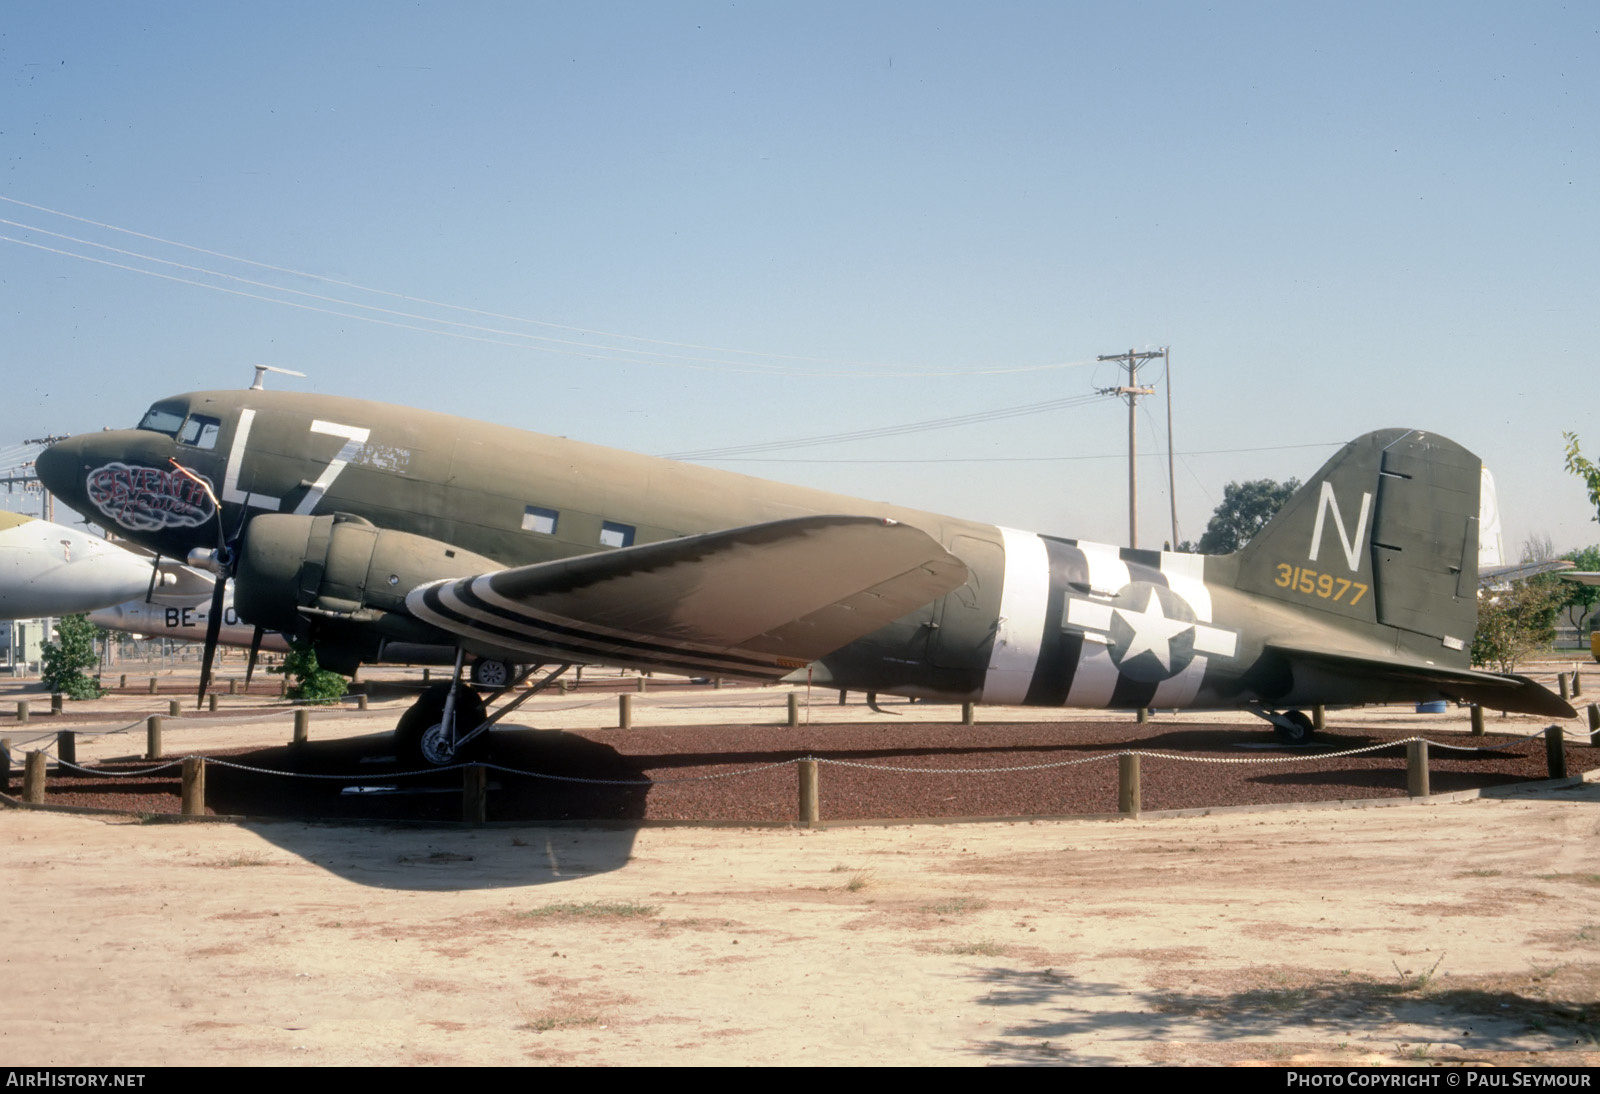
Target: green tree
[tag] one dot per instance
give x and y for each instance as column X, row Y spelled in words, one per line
column 313, row 683
column 1588, row 472
column 1245, row 510
column 1581, row 599
column 1516, row 622
column 66, row 658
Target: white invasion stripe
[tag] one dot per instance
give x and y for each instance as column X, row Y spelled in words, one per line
column 1180, row 690
column 1024, row 596
column 1096, row 677
column 536, row 642
column 1185, row 574
column 610, row 646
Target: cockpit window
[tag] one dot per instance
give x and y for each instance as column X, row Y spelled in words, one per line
column 200, row 431
column 164, row 419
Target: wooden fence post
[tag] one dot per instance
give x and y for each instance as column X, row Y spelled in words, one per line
column 302, row 725
column 33, row 779
column 810, row 795
column 1555, row 752
column 1417, row 768
column 1128, row 784
column 624, row 711
column 794, row 710
column 152, row 737
column 194, row 786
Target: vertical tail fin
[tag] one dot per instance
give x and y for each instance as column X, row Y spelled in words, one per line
column 1386, row 535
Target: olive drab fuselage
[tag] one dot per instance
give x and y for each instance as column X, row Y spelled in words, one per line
column 1040, row 620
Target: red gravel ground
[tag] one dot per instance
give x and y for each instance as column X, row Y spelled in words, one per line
column 679, row 761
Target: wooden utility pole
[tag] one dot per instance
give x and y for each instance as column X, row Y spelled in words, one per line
column 1132, row 391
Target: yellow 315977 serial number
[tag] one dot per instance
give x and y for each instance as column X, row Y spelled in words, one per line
column 1310, row 582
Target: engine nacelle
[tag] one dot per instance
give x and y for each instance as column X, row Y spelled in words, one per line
column 294, row 570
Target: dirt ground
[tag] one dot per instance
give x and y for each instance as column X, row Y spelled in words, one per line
column 1428, row 932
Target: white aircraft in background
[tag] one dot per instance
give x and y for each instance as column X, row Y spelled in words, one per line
column 49, row 569
column 181, row 611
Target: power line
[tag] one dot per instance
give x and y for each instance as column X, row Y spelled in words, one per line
column 884, row 431
column 1015, row 459
column 544, row 343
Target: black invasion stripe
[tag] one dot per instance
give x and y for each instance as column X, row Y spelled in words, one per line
column 567, row 651
column 1059, row 650
column 1132, row 693
column 465, row 591
column 671, row 660
column 598, row 650
column 1137, row 556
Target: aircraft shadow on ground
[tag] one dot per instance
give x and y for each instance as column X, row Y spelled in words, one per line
column 400, row 830
column 1297, row 1008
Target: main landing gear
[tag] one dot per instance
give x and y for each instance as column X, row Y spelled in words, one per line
column 450, row 723
column 1293, row 727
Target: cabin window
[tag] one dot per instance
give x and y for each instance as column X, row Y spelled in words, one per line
column 613, row 534
column 163, row 419
column 539, row 519
column 200, row 431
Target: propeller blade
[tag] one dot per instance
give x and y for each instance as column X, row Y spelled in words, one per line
column 155, row 572
column 255, row 651
column 213, row 629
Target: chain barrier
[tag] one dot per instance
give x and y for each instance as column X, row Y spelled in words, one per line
column 890, row 768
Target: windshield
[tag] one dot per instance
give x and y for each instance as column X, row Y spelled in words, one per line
column 164, row 418
column 200, row 431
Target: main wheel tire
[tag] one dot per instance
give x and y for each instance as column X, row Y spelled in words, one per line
column 428, row 712
column 1300, row 732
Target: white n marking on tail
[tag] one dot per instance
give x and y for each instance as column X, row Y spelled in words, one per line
column 1351, row 544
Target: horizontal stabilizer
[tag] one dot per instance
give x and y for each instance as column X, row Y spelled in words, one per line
column 1416, row 681
column 755, row 602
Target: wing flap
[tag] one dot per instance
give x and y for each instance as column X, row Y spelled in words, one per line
column 1497, row 691
column 756, row 601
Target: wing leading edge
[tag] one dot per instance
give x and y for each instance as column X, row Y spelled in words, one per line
column 755, row 602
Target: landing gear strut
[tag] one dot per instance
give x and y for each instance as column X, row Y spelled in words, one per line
column 450, row 723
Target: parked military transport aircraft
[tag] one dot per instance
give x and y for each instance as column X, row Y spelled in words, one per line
column 48, row 569
column 383, row 533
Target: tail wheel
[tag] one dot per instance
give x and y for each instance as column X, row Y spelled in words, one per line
column 416, row 737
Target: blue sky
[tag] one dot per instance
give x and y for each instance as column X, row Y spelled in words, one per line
column 1339, row 216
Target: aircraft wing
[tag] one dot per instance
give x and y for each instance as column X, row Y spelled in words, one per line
column 1498, row 691
column 755, row 602
column 1498, row 577
column 1582, row 577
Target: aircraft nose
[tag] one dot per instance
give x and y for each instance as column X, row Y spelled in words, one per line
column 58, row 466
